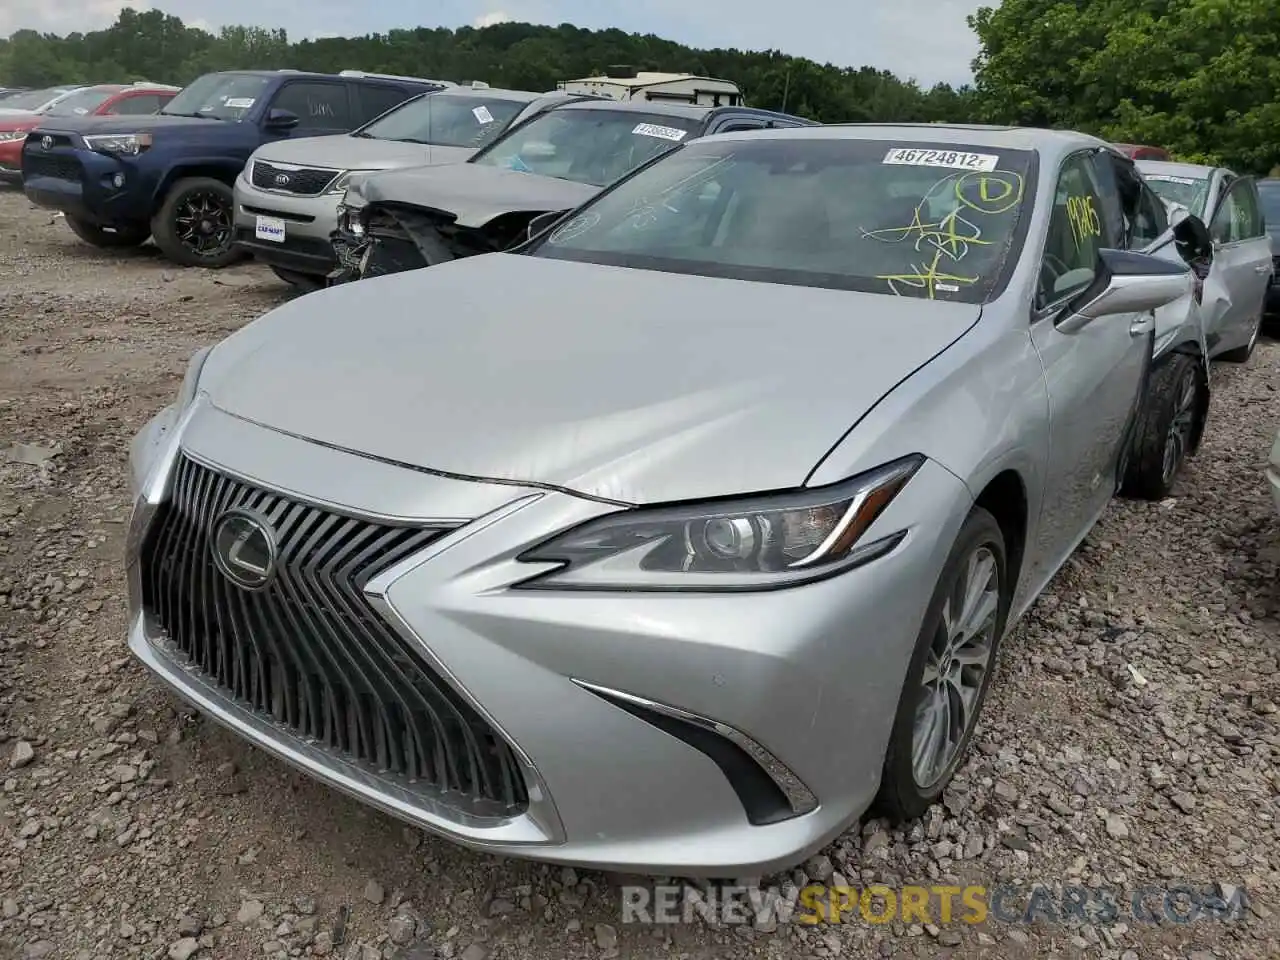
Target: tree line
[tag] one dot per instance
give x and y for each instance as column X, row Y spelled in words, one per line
column 158, row 47
column 1199, row 77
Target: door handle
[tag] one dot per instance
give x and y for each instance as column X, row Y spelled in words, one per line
column 1143, row 326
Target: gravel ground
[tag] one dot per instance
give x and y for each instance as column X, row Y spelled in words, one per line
column 1132, row 739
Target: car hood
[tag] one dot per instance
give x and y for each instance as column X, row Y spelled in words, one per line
column 474, row 194
column 128, row 124
column 18, row 120
column 15, row 113
column 627, row 385
column 345, row 152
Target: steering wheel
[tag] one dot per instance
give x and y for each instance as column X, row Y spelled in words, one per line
column 1053, row 269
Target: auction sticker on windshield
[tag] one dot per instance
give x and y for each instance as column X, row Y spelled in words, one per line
column 954, row 159
column 239, row 103
column 1165, row 178
column 673, row 134
column 483, row 115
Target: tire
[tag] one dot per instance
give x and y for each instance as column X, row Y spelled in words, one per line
column 1242, row 354
column 305, row 282
column 120, row 238
column 195, row 225
column 1167, row 428
column 902, row 795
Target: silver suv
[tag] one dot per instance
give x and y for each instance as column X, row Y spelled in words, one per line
column 286, row 197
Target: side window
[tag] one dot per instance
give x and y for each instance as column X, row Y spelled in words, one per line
column 136, row 106
column 319, row 105
column 1223, row 228
column 376, row 99
column 1149, row 220
column 1249, row 224
column 1080, row 225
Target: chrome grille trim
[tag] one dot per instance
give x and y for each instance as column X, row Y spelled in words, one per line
column 309, row 652
column 299, row 181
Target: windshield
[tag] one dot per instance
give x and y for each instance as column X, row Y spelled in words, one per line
column 587, row 146
column 942, row 222
column 1191, row 192
column 446, row 120
column 220, row 96
column 32, row 99
column 80, row 103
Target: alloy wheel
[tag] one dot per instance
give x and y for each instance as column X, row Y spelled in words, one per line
column 203, row 222
column 1178, row 439
column 956, row 668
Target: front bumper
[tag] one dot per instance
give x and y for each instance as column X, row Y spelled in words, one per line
column 308, row 222
column 574, row 683
column 94, row 187
column 11, row 161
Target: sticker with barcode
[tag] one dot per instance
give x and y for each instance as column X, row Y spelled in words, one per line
column 1165, row 178
column 240, row 103
column 673, row 134
column 483, row 115
column 953, row 159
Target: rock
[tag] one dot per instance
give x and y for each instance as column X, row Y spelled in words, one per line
column 500, row 907
column 189, row 926
column 1116, row 827
column 9, row 908
column 606, row 937
column 1183, row 801
column 401, row 929
column 23, row 753
column 250, row 911
column 38, row 950
column 819, row 869
column 476, row 951
column 374, row 892
column 184, row 949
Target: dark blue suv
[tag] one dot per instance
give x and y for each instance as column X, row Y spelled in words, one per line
column 120, row 180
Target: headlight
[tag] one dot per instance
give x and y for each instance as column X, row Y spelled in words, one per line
column 121, row 144
column 753, row 543
column 8, row 136
column 191, row 382
column 339, row 185
column 350, row 220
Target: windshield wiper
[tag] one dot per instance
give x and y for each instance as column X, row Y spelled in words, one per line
column 193, row 116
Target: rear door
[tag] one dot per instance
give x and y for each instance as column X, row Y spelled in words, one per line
column 374, row 99
column 1241, row 270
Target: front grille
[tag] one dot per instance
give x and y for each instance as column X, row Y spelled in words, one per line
column 309, row 652
column 59, row 166
column 306, row 181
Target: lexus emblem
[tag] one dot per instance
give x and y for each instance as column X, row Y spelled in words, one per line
column 46, row 142
column 282, row 179
column 244, row 548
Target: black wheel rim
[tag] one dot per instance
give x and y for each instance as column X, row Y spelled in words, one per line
column 1181, row 427
column 202, row 222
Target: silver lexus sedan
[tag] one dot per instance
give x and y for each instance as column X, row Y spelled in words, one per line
column 676, row 538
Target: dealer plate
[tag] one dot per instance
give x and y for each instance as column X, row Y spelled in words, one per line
column 269, row 228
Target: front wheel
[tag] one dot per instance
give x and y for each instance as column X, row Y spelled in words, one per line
column 304, row 282
column 118, row 238
column 950, row 671
column 1166, row 429
column 196, row 224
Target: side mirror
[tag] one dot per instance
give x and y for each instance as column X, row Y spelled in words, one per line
column 1192, row 236
column 542, row 221
column 278, row 119
column 1126, row 282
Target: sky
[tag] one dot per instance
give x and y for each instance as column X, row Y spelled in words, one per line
column 925, row 39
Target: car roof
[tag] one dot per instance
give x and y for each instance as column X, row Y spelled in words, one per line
column 1194, row 171
column 311, row 74
column 491, row 93
column 689, row 111
column 1051, row 143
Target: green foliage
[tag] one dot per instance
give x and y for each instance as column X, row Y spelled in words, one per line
column 158, row 47
column 1198, row 77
